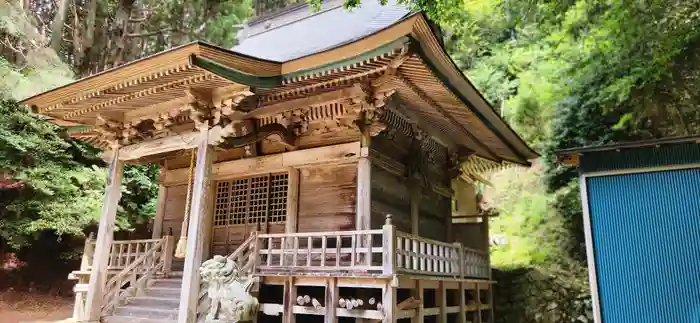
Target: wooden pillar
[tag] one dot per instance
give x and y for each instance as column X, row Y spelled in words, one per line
column 103, row 243
column 389, row 247
column 418, row 293
column 160, row 211
column 389, row 302
column 441, row 299
column 415, row 208
column 288, row 301
column 291, row 224
column 462, row 302
column 331, row 300
column 364, row 182
column 195, row 231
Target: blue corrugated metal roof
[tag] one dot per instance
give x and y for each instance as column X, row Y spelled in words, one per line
column 279, row 39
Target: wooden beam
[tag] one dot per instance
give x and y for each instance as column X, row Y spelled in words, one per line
column 195, row 232
column 331, row 299
column 303, row 102
column 103, row 243
column 336, row 154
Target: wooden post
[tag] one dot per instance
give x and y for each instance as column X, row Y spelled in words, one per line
column 331, row 300
column 389, row 246
column 389, row 304
column 363, row 212
column 441, row 299
column 288, row 301
column 415, row 209
column 103, row 243
column 462, row 302
column 160, row 210
column 195, row 233
column 418, row 293
column 168, row 253
column 460, row 259
column 290, row 226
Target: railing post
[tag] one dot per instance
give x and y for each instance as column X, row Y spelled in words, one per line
column 88, row 252
column 389, row 246
column 460, row 259
column 168, row 253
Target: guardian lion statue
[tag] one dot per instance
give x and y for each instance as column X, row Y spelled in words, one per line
column 229, row 293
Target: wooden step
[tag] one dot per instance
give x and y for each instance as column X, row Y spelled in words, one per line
column 165, row 292
column 131, row 319
column 167, row 282
column 149, row 312
column 155, row 301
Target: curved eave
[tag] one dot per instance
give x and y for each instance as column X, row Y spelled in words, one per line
column 257, row 73
column 445, row 68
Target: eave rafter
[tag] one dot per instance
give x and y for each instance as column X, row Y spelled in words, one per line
column 428, row 100
column 185, row 82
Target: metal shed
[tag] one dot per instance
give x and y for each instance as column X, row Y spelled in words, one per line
column 641, row 211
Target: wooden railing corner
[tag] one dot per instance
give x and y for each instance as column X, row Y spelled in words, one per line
column 168, row 253
column 460, row 259
column 389, row 245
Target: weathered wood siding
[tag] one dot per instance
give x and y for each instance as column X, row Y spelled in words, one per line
column 327, row 198
column 175, row 198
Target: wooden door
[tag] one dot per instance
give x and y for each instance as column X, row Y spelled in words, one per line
column 244, row 205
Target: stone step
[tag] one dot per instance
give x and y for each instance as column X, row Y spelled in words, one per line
column 164, row 292
column 153, row 301
column 175, row 282
column 131, row 319
column 149, row 312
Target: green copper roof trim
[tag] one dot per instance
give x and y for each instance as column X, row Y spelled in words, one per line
column 386, row 48
column 418, row 50
column 235, row 75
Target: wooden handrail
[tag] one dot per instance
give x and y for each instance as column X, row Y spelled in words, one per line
column 136, row 273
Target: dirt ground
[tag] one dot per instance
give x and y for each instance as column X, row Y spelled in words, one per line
column 18, row 307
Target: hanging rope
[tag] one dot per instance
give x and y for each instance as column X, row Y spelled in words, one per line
column 181, row 248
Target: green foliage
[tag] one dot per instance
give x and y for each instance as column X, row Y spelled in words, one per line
column 58, row 183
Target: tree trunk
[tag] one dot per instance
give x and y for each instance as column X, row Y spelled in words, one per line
column 57, row 26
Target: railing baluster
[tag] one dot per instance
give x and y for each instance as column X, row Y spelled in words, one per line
column 415, row 253
column 323, row 250
column 337, row 251
column 283, row 244
column 368, row 253
column 353, row 240
column 309, row 244
column 269, row 251
column 296, row 251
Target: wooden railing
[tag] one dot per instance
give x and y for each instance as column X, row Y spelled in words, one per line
column 379, row 252
column 133, row 277
column 345, row 251
column 131, row 264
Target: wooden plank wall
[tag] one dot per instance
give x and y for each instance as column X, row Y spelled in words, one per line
column 175, row 198
column 327, row 198
column 391, row 190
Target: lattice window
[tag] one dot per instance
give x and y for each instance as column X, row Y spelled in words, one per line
column 251, row 200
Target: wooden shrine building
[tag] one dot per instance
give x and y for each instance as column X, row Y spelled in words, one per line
column 336, row 170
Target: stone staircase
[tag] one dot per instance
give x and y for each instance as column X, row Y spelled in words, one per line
column 157, row 304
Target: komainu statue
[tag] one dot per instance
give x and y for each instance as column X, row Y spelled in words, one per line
column 229, row 293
